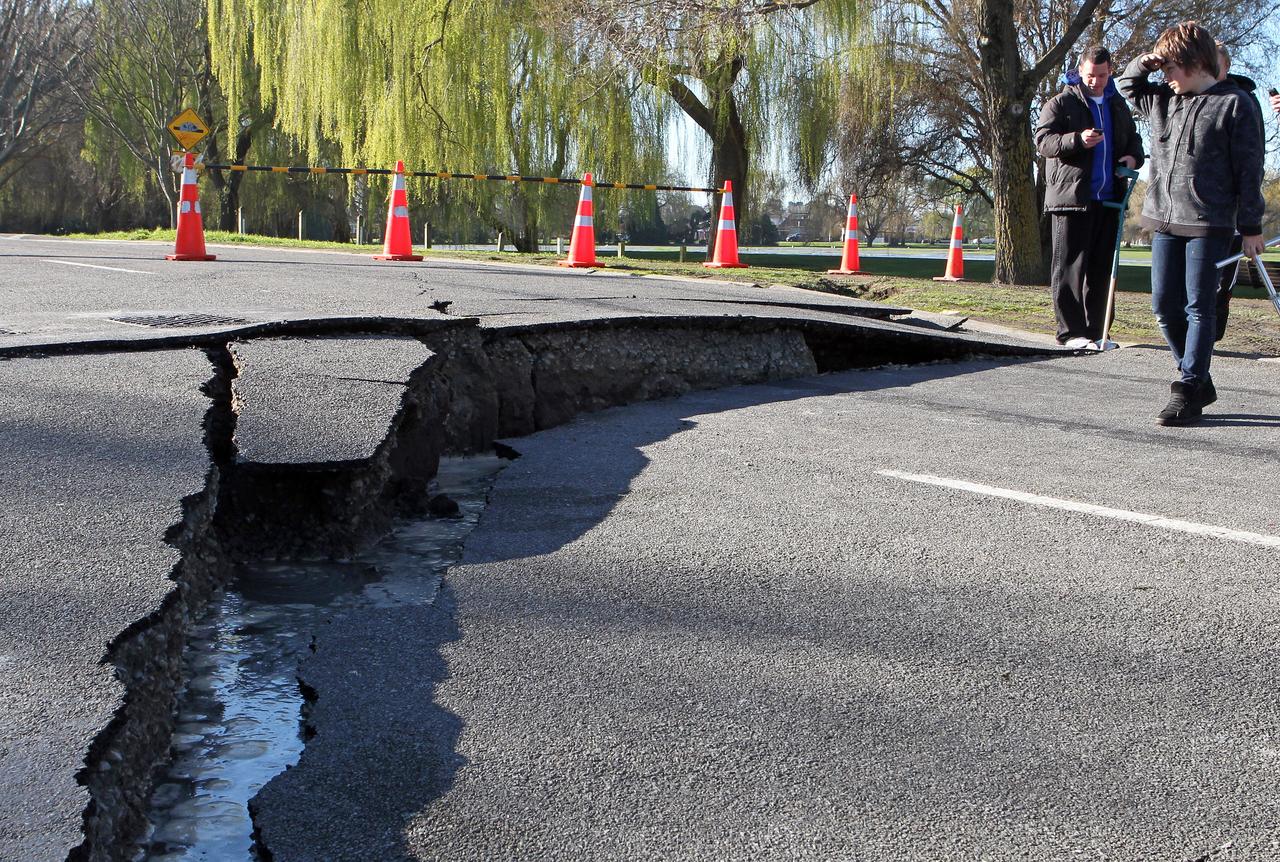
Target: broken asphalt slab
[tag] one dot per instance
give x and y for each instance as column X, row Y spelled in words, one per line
column 319, row 400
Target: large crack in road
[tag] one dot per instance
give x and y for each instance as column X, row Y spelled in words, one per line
column 368, row 447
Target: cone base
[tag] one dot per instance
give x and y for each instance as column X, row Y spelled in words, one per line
column 947, row 278
column 190, row 257
column 715, row 264
column 397, row 257
column 593, row 264
column 845, row 272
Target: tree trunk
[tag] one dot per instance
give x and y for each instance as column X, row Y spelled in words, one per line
column 728, row 162
column 1046, row 223
column 526, row 233
column 1017, row 216
column 527, row 239
column 723, row 125
column 1008, row 99
column 170, row 192
column 226, row 184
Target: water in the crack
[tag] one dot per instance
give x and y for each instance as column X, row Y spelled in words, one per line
column 239, row 718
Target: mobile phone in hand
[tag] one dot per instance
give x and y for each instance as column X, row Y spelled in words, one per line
column 1273, row 92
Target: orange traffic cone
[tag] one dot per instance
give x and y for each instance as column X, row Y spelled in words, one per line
column 849, row 260
column 189, row 244
column 398, row 244
column 726, row 254
column 582, row 243
column 955, row 258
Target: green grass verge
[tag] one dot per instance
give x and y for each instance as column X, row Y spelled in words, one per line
column 220, row 237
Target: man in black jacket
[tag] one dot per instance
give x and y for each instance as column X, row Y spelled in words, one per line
column 1084, row 133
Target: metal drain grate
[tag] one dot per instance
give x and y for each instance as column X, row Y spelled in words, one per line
column 178, row 320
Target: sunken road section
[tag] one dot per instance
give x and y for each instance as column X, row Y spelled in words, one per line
column 314, row 438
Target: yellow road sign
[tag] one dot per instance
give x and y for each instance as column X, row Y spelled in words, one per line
column 188, row 128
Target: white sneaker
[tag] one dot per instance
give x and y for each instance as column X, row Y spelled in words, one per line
column 1104, row 346
column 1079, row 343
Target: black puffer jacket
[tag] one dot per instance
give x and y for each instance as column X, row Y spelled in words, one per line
column 1068, row 162
column 1206, row 157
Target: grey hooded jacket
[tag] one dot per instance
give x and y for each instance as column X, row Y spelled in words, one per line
column 1206, row 157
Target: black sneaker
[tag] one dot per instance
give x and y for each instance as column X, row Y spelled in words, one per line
column 1182, row 408
column 1206, row 394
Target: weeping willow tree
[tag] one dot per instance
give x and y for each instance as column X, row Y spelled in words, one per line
column 753, row 75
column 852, row 107
column 458, row 85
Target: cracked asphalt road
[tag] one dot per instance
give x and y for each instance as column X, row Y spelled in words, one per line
column 703, row 628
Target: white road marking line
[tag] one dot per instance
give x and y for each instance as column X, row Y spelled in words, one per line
column 1091, row 509
column 95, row 266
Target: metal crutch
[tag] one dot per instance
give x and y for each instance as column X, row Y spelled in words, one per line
column 1132, row 176
column 1262, row 270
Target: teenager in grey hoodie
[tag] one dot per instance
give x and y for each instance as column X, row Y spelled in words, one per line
column 1206, row 182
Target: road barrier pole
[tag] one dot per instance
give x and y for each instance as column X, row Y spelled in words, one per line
column 240, row 221
column 502, row 242
column 299, row 224
column 622, row 248
column 559, row 246
column 683, row 251
column 426, row 234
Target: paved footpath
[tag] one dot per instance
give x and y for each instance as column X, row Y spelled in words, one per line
column 974, row 610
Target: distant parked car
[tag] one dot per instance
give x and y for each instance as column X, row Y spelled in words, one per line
column 795, row 237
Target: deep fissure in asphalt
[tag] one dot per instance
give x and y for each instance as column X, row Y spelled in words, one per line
column 240, row 716
column 480, row 385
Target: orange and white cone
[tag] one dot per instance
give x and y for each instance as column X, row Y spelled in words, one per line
column 726, row 254
column 189, row 244
column 582, row 242
column 955, row 257
column 398, row 243
column 849, row 260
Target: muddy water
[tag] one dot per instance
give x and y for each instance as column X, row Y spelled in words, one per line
column 239, row 720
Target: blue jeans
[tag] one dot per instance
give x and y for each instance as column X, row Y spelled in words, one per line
column 1184, row 284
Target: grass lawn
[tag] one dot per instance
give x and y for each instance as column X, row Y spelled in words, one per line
column 1254, row 324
